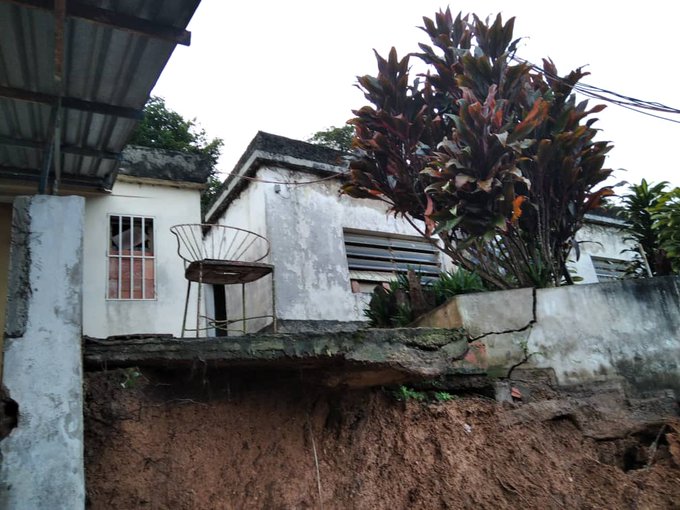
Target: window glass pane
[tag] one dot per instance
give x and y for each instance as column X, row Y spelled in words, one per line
column 125, row 279
column 148, row 236
column 608, row 269
column 121, row 234
column 137, row 279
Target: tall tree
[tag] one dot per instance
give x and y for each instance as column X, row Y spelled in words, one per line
column 163, row 128
column 489, row 152
column 338, row 138
column 638, row 204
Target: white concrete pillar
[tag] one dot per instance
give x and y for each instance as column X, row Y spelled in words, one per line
column 42, row 459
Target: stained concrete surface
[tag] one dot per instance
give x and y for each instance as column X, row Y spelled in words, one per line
column 42, row 458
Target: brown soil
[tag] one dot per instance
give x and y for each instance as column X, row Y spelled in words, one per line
column 166, row 443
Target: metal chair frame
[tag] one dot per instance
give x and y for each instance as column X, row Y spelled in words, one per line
column 224, row 263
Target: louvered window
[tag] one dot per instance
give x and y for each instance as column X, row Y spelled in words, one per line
column 608, row 269
column 373, row 258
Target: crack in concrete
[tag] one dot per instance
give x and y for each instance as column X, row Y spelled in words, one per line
column 529, row 325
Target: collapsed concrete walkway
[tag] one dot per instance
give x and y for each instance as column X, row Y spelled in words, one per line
column 369, row 357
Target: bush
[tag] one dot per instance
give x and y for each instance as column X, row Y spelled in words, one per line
column 408, row 297
column 493, row 156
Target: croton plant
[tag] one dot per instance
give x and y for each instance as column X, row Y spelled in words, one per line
column 493, row 156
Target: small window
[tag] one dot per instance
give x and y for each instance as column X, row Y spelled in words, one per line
column 607, row 269
column 375, row 258
column 131, row 258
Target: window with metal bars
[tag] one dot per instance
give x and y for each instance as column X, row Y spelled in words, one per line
column 375, row 258
column 131, row 258
column 608, row 269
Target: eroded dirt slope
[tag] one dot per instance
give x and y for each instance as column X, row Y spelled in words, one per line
column 168, row 441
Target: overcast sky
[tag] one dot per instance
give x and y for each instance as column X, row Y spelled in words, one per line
column 289, row 68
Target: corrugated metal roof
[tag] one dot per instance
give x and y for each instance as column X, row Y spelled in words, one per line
column 110, row 64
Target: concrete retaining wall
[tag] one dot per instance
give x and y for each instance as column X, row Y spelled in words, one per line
column 627, row 329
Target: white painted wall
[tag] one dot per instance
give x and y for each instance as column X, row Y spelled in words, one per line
column 600, row 241
column 168, row 206
column 306, row 231
column 248, row 212
column 304, row 225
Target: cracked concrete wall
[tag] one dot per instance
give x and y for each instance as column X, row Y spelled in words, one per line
column 627, row 329
column 42, row 458
column 624, row 330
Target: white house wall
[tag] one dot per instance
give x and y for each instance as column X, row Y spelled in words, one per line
column 248, row 212
column 305, row 225
column 598, row 240
column 167, row 206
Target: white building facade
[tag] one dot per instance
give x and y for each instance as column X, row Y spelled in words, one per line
column 329, row 250
column 133, row 279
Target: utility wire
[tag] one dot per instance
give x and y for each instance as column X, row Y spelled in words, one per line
column 629, row 102
column 592, row 91
column 286, row 183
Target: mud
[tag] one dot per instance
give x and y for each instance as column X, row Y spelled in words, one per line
column 158, row 440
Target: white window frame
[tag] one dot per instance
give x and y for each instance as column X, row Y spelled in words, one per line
column 119, row 256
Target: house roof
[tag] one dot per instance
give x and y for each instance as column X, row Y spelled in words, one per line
column 167, row 165
column 74, row 77
column 268, row 149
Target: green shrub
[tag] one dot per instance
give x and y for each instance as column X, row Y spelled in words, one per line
column 443, row 396
column 404, row 394
column 404, row 301
column 452, row 283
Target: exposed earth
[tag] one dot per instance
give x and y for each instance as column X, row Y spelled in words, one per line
column 180, row 440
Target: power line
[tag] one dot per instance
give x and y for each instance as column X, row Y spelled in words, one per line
column 286, row 183
column 602, row 94
column 592, row 91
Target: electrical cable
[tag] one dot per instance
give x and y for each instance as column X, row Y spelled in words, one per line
column 592, row 91
column 286, row 183
column 629, row 102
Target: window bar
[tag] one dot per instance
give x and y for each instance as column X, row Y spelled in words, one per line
column 143, row 258
column 132, row 257
column 119, row 279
